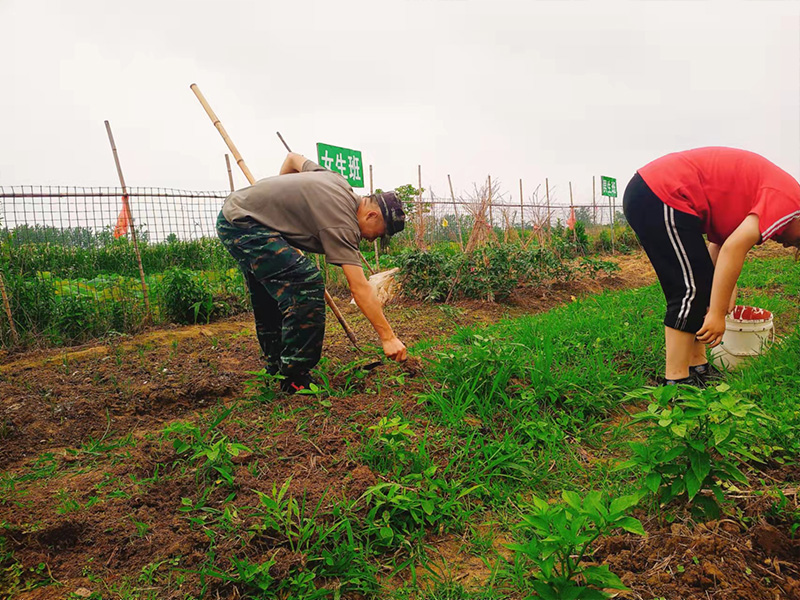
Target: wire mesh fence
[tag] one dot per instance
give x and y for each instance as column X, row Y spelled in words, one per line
column 72, row 270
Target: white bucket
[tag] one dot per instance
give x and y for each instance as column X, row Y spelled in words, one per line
column 748, row 331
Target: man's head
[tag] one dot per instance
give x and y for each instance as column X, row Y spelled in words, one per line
column 380, row 215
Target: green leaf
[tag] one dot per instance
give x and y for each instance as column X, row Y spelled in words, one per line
column 573, row 499
column 652, row 482
column 386, row 533
column 632, row 525
column 545, row 591
column 679, row 429
column 427, row 506
column 734, row 472
column 622, row 504
column 693, row 484
column 602, row 577
column 701, row 465
column 721, row 432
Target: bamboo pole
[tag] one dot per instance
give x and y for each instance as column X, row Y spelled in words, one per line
column 571, row 212
column 375, row 243
column 547, row 194
column 491, row 218
column 455, row 212
column 127, row 207
column 594, row 202
column 252, row 180
column 521, row 212
column 230, row 175
column 223, row 133
column 420, row 223
column 7, row 307
column 611, row 210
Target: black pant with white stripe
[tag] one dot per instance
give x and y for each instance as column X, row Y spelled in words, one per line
column 673, row 241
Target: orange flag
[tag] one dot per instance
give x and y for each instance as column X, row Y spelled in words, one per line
column 571, row 221
column 123, row 220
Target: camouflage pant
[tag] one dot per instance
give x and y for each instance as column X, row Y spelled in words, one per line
column 287, row 293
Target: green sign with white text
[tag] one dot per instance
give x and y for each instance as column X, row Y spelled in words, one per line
column 344, row 161
column 608, row 186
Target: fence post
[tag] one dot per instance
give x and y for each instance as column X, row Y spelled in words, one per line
column 420, row 222
column 611, row 210
column 521, row 213
column 455, row 212
column 7, row 306
column 547, row 193
column 126, row 206
column 491, row 218
column 572, row 211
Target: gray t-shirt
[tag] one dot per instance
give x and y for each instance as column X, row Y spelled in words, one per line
column 314, row 211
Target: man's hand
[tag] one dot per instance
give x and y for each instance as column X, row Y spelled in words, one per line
column 292, row 164
column 395, row 349
column 367, row 301
column 713, row 328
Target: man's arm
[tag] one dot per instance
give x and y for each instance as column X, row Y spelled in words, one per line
column 729, row 266
column 713, row 251
column 367, row 301
column 292, row 164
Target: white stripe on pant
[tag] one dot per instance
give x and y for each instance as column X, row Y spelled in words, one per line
column 686, row 266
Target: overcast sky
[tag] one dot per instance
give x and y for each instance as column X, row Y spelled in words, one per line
column 528, row 89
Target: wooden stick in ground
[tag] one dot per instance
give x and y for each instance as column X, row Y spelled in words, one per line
column 252, row 180
column 7, row 307
column 420, row 223
column 571, row 210
column 455, row 212
column 547, row 193
column 126, row 207
column 491, row 218
column 521, row 213
column 230, row 175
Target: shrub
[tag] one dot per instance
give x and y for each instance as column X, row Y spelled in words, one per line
column 695, row 441
column 559, row 536
column 184, row 299
column 33, row 303
column 76, row 319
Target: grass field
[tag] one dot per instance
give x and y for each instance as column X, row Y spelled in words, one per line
column 520, row 454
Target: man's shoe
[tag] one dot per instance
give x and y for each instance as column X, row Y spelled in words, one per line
column 706, row 373
column 692, row 379
column 292, row 384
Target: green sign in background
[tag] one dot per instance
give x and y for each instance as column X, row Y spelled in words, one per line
column 608, row 186
column 344, row 161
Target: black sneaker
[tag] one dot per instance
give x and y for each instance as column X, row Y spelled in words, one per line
column 706, row 372
column 292, row 384
column 692, row 379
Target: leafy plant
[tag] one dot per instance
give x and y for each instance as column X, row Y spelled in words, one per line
column 399, row 512
column 560, row 536
column 390, row 448
column 217, row 450
column 696, row 438
column 184, row 298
